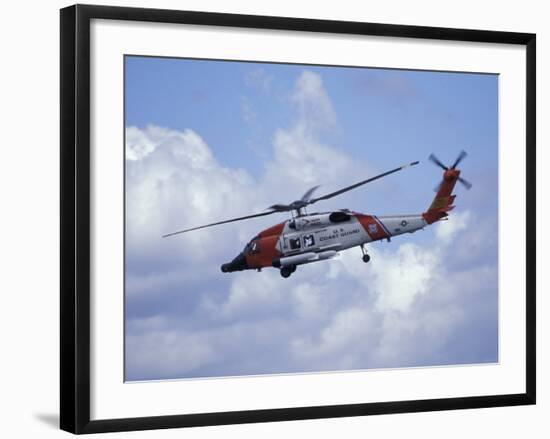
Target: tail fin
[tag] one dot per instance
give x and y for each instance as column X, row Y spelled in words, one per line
column 443, row 201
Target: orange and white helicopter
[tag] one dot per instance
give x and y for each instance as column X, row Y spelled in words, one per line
column 312, row 237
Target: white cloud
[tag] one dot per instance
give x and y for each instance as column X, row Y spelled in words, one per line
column 174, row 182
column 314, row 105
column 253, row 297
column 166, row 353
column 308, row 302
column 302, row 158
column 400, row 276
column 336, row 345
column 447, row 230
column 138, row 144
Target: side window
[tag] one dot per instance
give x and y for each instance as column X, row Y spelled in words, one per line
column 309, row 241
column 294, row 243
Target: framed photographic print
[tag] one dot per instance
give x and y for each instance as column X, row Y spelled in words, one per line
column 274, row 218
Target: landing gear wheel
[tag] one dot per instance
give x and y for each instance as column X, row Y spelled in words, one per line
column 286, row 271
column 293, row 268
column 366, row 257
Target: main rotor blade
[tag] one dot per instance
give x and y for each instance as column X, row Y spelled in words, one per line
column 308, row 194
column 353, row 186
column 434, row 159
column 460, row 157
column 221, row 222
column 281, row 208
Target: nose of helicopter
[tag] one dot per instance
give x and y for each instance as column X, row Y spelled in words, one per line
column 237, row 264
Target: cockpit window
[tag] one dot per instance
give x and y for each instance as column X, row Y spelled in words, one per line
column 253, row 246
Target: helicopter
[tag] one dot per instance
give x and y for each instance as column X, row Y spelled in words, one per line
column 311, row 237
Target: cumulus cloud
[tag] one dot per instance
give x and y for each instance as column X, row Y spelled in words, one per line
column 314, row 105
column 302, row 158
column 413, row 304
column 447, row 230
column 339, row 343
column 180, row 352
column 401, row 276
column 174, row 182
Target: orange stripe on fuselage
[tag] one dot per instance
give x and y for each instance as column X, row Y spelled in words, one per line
column 264, row 257
column 372, row 226
column 276, row 230
column 267, row 243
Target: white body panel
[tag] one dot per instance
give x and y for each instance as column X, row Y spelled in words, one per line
column 399, row 224
column 323, row 237
column 315, row 237
column 305, row 258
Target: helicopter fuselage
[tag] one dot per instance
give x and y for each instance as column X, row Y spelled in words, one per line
column 319, row 236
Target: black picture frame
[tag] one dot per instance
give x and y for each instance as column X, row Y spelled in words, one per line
column 75, row 217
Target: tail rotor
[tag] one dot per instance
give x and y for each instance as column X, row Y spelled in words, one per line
column 463, row 154
column 442, row 204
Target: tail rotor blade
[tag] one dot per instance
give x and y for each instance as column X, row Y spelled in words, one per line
column 460, row 157
column 466, row 183
column 434, row 159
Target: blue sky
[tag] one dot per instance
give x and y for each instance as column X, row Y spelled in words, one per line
column 206, row 140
